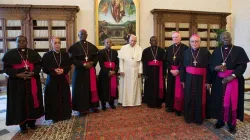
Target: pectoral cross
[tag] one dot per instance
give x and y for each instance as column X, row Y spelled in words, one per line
column 86, row 58
column 195, row 62
column 223, row 64
column 155, row 60
column 174, row 57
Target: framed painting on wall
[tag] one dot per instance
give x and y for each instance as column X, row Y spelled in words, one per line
column 116, row 19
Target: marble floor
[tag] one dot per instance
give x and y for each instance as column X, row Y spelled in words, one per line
column 6, row 133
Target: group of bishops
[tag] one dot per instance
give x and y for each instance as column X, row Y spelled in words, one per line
column 199, row 85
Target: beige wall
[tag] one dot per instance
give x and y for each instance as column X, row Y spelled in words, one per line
column 85, row 18
column 241, row 26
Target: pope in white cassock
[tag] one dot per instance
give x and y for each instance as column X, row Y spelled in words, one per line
column 130, row 71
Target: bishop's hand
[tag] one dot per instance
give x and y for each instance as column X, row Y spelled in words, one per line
column 220, row 68
column 111, row 73
column 227, row 79
column 139, row 75
column 30, row 74
column 21, row 75
column 183, row 84
column 24, row 75
column 122, row 73
column 208, row 86
column 61, row 71
column 89, row 65
column 174, row 72
column 58, row 71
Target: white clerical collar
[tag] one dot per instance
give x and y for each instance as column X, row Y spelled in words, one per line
column 84, row 41
column 178, row 44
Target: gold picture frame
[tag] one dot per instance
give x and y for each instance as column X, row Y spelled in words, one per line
column 115, row 19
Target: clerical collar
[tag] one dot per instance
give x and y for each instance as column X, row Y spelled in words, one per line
column 195, row 50
column 227, row 46
column 22, row 49
column 177, row 45
column 83, row 41
column 154, row 47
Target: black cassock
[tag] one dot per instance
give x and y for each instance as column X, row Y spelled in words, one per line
column 195, row 107
column 81, row 88
column 151, row 74
column 57, row 96
column 172, row 51
column 236, row 61
column 104, row 80
column 22, row 103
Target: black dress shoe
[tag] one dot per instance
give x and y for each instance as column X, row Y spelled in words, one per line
column 218, row 125
column 169, row 110
column 232, row 130
column 81, row 114
column 178, row 113
column 159, row 107
column 24, row 130
column 198, row 123
column 95, row 110
column 104, row 108
column 149, row 106
column 33, row 127
column 113, row 107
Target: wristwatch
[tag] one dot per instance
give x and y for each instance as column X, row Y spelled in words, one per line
column 234, row 75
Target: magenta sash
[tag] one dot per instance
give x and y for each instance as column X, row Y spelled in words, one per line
column 113, row 83
column 179, row 92
column 231, row 96
column 33, row 82
column 159, row 64
column 93, row 87
column 203, row 72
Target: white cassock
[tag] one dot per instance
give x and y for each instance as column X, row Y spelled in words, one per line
column 130, row 85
